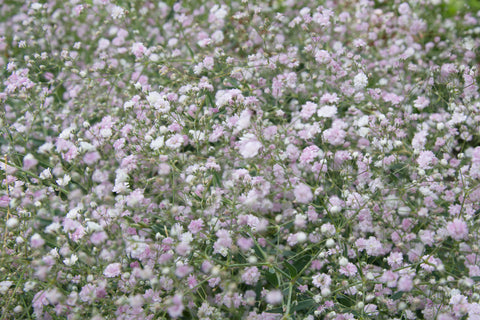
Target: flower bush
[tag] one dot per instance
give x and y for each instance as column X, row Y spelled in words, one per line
column 280, row 159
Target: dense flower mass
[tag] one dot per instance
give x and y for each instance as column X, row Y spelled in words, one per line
column 242, row 159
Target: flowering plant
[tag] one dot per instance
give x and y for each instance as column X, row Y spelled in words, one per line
column 239, row 159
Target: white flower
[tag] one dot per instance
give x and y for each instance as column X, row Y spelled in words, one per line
column 71, row 261
column 117, row 12
column 54, row 253
column 274, row 297
column 36, row 6
column 158, row 101
column 12, row 223
column 62, row 182
column 86, row 147
column 4, row 285
column 249, row 146
column 360, row 81
column 157, row 143
column 327, row 111
column 46, row 147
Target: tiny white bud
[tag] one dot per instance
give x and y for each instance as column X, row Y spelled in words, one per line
column 12, row 223
column 335, row 209
column 301, row 237
column 330, row 243
column 326, row 292
column 403, row 211
column 18, row 309
column 343, row 261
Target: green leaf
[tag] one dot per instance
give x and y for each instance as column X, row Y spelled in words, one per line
column 476, row 278
column 305, row 304
column 397, row 295
column 271, row 278
column 216, row 179
column 275, row 310
column 210, row 99
column 159, row 228
column 344, row 300
column 291, row 269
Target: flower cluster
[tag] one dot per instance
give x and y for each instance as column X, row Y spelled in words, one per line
column 239, row 159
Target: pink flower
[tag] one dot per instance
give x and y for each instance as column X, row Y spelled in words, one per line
column 457, row 229
column 175, row 142
column 39, row 300
column 112, row 270
column 245, row 243
column 195, row 226
column 421, row 103
column 36, row 241
column 425, row 159
column 373, row 247
column 176, row 309
column 447, row 69
column 29, row 162
column 395, row 259
column 308, row 110
column 87, row 294
column 251, row 275
column 405, row 283
column 208, row 63
column 309, row 154
column 303, row 193
column 349, row 270
column 334, row 136
column 476, row 155
column 138, row 49
column 322, row 280
column 223, row 243
column 322, row 57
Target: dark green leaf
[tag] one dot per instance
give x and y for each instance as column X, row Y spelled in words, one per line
column 275, row 310
column 291, row 269
column 305, row 304
column 344, row 300
column 271, row 279
column 216, row 179
column 397, row 295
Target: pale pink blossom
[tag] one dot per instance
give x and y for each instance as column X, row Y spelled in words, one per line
column 112, row 270
column 251, row 275
column 426, row 159
column 303, row 193
column 457, row 229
